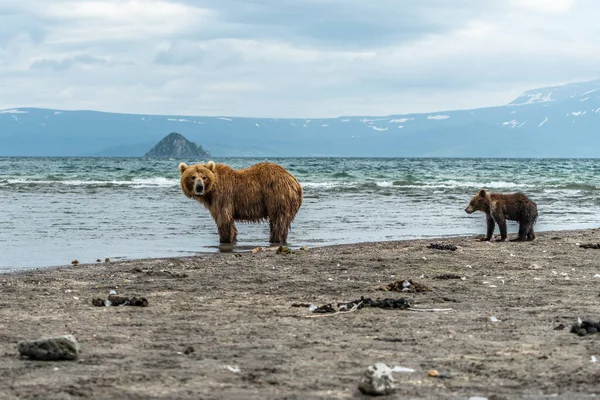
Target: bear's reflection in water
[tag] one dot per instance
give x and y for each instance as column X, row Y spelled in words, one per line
column 231, row 248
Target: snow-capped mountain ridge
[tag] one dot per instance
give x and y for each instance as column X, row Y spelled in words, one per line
column 559, row 121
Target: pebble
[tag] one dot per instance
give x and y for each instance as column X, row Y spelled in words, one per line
column 433, row 373
column 377, row 380
column 50, row 349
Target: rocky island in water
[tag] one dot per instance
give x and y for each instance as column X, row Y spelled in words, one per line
column 177, row 146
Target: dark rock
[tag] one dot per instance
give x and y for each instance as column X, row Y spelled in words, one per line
column 50, row 349
column 324, row 309
column 115, row 300
column 176, row 146
column 440, row 246
column 447, row 276
column 582, row 332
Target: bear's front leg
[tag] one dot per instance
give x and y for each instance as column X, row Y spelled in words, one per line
column 501, row 221
column 490, row 228
column 227, row 229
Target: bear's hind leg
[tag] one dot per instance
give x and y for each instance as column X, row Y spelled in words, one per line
column 530, row 233
column 279, row 230
column 523, row 230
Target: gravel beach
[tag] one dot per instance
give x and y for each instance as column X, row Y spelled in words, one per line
column 223, row 326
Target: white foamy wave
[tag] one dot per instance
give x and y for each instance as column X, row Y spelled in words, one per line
column 450, row 184
column 385, row 184
column 152, row 182
column 326, row 185
column 136, row 183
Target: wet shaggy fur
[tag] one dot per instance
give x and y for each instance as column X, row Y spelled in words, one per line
column 263, row 191
column 500, row 207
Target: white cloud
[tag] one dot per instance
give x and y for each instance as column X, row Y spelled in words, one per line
column 545, row 6
column 295, row 58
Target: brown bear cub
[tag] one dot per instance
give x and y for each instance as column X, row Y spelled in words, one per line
column 254, row 194
column 500, row 207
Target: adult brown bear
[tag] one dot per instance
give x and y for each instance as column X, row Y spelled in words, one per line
column 500, row 207
column 254, row 194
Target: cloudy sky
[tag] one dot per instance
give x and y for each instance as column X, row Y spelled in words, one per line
column 290, row 58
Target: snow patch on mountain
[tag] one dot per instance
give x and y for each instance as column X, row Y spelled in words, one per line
column 512, row 123
column 13, row 111
column 400, row 120
column 533, row 97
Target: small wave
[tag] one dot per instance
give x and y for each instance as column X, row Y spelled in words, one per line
column 342, row 175
column 578, row 186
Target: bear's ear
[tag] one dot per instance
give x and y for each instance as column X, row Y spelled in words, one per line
column 482, row 192
column 182, row 167
column 211, row 165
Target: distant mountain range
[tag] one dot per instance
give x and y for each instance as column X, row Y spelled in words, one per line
column 560, row 121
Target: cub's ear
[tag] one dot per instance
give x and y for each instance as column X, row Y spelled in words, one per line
column 182, row 167
column 211, row 165
column 482, row 192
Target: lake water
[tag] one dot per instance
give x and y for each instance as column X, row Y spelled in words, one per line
column 54, row 210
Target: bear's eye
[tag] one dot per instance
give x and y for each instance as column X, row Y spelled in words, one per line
column 193, row 178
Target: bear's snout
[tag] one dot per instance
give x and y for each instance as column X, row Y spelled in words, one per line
column 469, row 210
column 199, row 188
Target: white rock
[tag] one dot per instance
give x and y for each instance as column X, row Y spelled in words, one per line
column 377, row 380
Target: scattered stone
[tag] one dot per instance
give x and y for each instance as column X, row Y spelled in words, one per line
column 559, row 327
column 387, row 303
column 257, row 250
column 188, row 350
column 114, row 301
column 447, row 276
column 165, row 273
column 106, row 260
column 304, row 248
column 590, row 246
column 377, row 380
column 75, row 262
column 433, row 373
column 391, row 340
column 98, row 260
column 301, row 305
column 324, row 309
column 449, row 299
column 51, row 349
column 405, row 286
column 284, row 250
column 583, row 328
column 440, row 246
